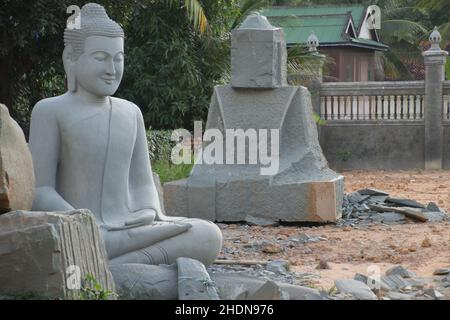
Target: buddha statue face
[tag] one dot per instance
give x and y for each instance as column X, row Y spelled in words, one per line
column 99, row 69
column 94, row 54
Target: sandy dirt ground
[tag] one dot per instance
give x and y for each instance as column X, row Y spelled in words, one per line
column 420, row 247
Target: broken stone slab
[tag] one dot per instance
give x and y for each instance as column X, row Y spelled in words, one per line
column 227, row 282
column 194, row 282
column 356, row 197
column 393, row 295
column 361, row 277
column 405, row 203
column 16, row 166
column 396, row 282
column 433, row 293
column 146, row 282
column 400, row 271
column 435, row 216
column 278, row 266
column 50, row 254
column 413, row 213
column 392, row 217
column 373, row 192
column 377, row 199
column 258, row 221
column 442, row 271
column 269, row 291
column 356, row 288
column 433, row 207
column 393, row 283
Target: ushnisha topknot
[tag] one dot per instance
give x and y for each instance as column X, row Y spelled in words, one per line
column 94, row 22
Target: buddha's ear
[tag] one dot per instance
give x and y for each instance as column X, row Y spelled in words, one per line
column 69, row 67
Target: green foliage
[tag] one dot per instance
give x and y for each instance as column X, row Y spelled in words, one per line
column 318, row 119
column 160, row 145
column 170, row 70
column 92, row 290
column 447, row 70
column 168, row 171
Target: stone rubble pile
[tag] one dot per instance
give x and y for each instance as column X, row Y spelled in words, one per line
column 398, row 283
column 371, row 206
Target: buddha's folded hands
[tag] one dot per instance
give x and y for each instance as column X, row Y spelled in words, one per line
column 142, row 217
column 127, row 239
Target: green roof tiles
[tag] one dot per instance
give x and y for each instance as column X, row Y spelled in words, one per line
column 298, row 29
column 357, row 11
column 329, row 23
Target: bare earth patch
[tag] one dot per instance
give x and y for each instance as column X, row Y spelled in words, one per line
column 420, row 247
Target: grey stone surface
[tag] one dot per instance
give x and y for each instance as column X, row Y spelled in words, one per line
column 269, row 291
column 194, row 282
column 388, row 217
column 361, row 277
column 16, row 166
column 37, row 249
column 278, row 266
column 393, row 295
column 258, row 55
column 400, row 271
column 303, row 189
column 433, row 293
column 442, row 271
column 227, row 282
column 356, row 288
column 146, row 282
column 159, row 190
column 405, row 203
column 436, row 216
column 373, row 192
column 90, row 151
column 433, row 207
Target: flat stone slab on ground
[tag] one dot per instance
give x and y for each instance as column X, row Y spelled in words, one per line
column 356, row 288
column 405, row 203
column 228, row 282
column 442, row 271
column 269, row 291
column 373, row 192
column 400, row 271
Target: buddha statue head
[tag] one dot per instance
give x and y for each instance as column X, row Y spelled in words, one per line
column 93, row 54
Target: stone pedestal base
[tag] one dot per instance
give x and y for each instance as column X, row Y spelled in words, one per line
column 312, row 201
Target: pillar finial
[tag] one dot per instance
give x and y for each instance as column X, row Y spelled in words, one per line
column 312, row 42
column 435, row 39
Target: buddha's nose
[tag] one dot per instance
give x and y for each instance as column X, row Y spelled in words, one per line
column 110, row 69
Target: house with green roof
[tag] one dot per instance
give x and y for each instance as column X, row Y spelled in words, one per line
column 344, row 34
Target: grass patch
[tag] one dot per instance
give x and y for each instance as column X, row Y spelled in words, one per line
column 169, row 172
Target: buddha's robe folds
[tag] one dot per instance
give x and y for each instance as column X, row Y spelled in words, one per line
column 97, row 158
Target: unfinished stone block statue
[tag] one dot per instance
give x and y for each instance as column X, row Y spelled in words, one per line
column 90, row 151
column 259, row 98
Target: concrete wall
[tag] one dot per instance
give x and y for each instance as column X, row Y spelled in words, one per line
column 389, row 145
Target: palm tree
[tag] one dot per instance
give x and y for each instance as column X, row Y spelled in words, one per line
column 195, row 12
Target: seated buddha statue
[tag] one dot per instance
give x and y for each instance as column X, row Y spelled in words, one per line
column 90, row 151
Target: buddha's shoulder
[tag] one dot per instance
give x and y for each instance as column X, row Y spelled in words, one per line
column 49, row 104
column 122, row 103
